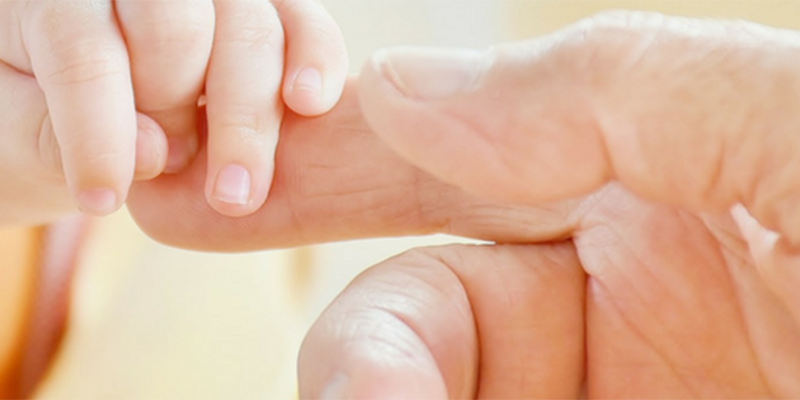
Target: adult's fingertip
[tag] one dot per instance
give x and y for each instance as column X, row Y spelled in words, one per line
column 413, row 339
column 514, row 123
column 382, row 381
column 335, row 388
column 437, row 109
column 407, row 382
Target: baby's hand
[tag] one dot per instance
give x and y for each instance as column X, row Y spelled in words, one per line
column 258, row 50
column 89, row 57
column 246, row 77
column 32, row 186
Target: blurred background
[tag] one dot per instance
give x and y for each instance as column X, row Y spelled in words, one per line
column 151, row 322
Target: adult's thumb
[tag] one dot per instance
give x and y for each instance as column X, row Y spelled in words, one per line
column 700, row 114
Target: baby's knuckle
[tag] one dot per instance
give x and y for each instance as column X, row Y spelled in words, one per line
column 51, row 16
column 96, row 147
column 244, row 122
column 84, row 62
column 326, row 35
column 256, row 27
column 170, row 34
column 257, row 37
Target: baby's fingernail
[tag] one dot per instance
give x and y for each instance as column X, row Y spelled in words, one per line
column 431, row 74
column 335, row 389
column 233, row 185
column 181, row 151
column 308, row 80
column 149, row 154
column 97, row 202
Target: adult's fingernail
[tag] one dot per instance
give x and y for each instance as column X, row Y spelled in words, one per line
column 97, row 202
column 335, row 389
column 233, row 185
column 309, row 81
column 429, row 73
column 181, row 151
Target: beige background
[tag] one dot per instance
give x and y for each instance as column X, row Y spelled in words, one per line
column 531, row 17
column 154, row 322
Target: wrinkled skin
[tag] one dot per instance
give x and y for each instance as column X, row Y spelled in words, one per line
column 645, row 274
column 645, row 301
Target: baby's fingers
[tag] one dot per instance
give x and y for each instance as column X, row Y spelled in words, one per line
column 169, row 42
column 79, row 58
column 244, row 106
column 316, row 57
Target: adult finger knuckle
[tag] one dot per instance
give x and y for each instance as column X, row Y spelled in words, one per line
column 608, row 46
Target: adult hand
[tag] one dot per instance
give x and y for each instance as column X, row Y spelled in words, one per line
column 334, row 180
column 681, row 298
column 676, row 141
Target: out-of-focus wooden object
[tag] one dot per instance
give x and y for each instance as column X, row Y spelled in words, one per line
column 18, row 255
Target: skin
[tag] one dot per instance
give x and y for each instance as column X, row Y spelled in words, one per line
column 112, row 88
column 97, row 93
column 638, row 176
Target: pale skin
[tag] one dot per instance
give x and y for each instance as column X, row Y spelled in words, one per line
column 95, row 93
column 112, row 88
column 630, row 164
